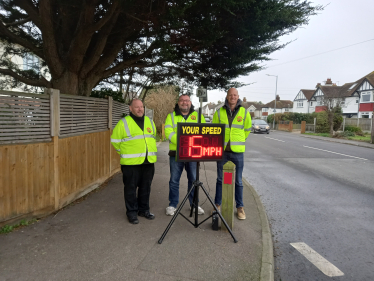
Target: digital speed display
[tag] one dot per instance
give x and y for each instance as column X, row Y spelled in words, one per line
column 200, row 142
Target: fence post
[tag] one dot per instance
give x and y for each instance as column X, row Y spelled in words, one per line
column 343, row 124
column 372, row 128
column 55, row 131
column 303, row 126
column 163, row 132
column 228, row 195
column 358, row 122
column 290, row 126
column 315, row 123
column 110, row 112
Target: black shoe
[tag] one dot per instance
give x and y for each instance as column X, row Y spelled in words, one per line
column 146, row 214
column 133, row 220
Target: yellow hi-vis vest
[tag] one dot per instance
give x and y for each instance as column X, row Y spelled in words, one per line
column 132, row 143
column 171, row 126
column 240, row 128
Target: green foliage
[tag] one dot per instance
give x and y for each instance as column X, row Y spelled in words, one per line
column 107, row 92
column 9, row 228
column 353, row 129
column 297, row 118
column 208, row 43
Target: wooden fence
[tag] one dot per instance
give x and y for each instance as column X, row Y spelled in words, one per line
column 54, row 148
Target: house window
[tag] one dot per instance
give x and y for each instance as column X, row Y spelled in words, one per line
column 265, row 109
column 300, row 104
column 365, row 97
column 357, row 100
column 31, row 61
column 342, row 103
column 286, row 110
column 311, row 103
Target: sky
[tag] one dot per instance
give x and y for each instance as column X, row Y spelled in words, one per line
column 342, row 23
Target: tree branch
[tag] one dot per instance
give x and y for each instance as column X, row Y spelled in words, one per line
column 131, row 62
column 50, row 47
column 20, row 22
column 30, row 9
column 42, row 82
column 84, row 33
column 17, row 40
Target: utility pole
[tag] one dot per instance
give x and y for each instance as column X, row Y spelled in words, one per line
column 275, row 100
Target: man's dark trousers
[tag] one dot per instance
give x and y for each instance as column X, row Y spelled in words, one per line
column 137, row 176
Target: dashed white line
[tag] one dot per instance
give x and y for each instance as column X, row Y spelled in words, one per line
column 274, row 139
column 320, row 262
column 336, row 153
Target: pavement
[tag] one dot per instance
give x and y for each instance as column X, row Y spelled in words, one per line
column 91, row 239
column 343, row 141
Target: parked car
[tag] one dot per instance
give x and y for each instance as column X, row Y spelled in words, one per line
column 207, row 119
column 260, row 126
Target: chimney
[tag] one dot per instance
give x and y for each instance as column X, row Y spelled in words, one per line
column 277, row 98
column 244, row 99
column 328, row 82
column 318, row 84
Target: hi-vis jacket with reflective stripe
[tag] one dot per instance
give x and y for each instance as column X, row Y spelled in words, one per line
column 171, row 126
column 133, row 144
column 240, row 128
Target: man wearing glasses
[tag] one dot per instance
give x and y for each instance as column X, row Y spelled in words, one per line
column 183, row 112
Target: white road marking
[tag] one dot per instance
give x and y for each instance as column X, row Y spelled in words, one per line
column 274, row 139
column 320, row 262
column 336, row 153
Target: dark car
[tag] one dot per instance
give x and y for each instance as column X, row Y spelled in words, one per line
column 260, row 126
column 207, row 119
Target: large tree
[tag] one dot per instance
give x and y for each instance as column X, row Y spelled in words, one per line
column 82, row 43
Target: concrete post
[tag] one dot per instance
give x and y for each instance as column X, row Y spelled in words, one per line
column 303, row 126
column 372, row 128
column 315, row 123
column 228, row 195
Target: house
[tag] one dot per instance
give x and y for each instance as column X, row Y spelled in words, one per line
column 302, row 102
column 28, row 62
column 363, row 92
column 254, row 108
column 356, row 98
column 276, row 106
column 208, row 109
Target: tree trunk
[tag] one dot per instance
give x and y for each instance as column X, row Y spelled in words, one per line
column 71, row 84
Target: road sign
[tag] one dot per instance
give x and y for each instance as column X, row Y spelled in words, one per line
column 201, row 92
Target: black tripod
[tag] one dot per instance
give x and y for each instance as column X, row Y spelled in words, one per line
column 195, row 186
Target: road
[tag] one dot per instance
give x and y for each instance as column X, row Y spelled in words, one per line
column 319, row 196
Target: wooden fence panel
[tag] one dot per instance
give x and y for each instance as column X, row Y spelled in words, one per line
column 25, row 179
column 83, row 160
column 24, row 117
column 80, row 115
column 119, row 109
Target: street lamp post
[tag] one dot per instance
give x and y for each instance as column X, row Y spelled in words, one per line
column 275, row 100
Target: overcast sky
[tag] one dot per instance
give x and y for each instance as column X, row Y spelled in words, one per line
column 342, row 23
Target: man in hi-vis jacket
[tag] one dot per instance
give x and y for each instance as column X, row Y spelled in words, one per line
column 134, row 140
column 183, row 112
column 238, row 125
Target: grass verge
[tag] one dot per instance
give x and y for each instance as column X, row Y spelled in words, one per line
column 9, row 228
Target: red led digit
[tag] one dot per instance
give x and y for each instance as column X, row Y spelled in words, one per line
column 196, row 146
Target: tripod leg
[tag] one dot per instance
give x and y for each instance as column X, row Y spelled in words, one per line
column 196, row 202
column 194, row 184
column 175, row 215
column 219, row 214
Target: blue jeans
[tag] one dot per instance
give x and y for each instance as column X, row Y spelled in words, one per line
column 238, row 160
column 176, row 169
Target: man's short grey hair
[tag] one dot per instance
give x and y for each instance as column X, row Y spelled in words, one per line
column 133, row 101
column 184, row 95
